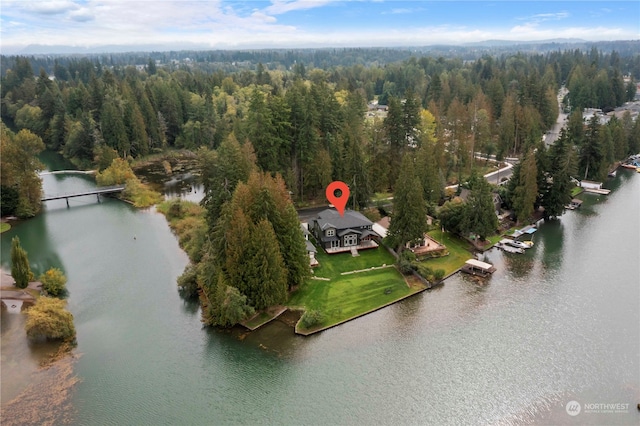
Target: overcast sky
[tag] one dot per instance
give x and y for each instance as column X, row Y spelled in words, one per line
column 308, row 23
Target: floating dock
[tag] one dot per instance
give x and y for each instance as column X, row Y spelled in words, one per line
column 599, row 191
column 574, row 204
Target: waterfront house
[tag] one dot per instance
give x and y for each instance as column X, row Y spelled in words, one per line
column 350, row 232
column 426, row 247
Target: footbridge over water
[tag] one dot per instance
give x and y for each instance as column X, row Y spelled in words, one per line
column 68, row 172
column 107, row 190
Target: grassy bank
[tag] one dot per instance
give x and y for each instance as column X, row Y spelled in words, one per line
column 4, row 227
column 340, row 297
column 186, row 219
column 459, row 252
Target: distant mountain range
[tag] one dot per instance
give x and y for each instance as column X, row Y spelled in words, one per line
column 40, row 49
column 494, row 43
column 43, row 49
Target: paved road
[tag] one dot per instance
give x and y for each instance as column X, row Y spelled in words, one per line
column 501, row 175
column 552, row 135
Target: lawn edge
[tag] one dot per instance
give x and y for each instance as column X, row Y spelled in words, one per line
column 310, row 332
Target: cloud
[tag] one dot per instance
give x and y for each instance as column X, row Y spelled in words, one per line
column 403, row 11
column 236, row 24
column 532, row 32
column 279, row 7
column 542, row 17
column 82, row 15
column 54, row 7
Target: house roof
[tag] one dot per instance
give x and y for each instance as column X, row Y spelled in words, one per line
column 348, row 231
column 330, row 218
column 478, row 264
column 368, row 232
column 310, row 247
column 380, row 230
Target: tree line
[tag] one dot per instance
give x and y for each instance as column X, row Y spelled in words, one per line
column 307, row 123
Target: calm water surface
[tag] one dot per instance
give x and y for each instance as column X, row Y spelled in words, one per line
column 559, row 323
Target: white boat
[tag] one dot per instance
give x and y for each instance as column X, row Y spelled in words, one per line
column 505, row 245
column 520, row 244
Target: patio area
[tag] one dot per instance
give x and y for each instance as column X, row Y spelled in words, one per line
column 364, row 245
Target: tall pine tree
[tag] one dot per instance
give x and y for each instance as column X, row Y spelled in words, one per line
column 409, row 218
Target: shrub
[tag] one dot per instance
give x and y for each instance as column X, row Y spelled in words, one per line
column 188, row 281
column 438, row 274
column 175, row 210
column 406, row 261
column 20, row 270
column 117, row 173
column 311, row 318
column 53, row 282
column 139, row 194
column 50, row 320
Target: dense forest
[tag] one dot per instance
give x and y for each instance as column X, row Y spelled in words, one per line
column 264, row 135
column 310, row 124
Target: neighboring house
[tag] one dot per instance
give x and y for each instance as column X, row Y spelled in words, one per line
column 337, row 233
column 311, row 249
column 426, row 246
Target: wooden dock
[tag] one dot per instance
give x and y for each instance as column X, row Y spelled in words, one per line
column 599, row 191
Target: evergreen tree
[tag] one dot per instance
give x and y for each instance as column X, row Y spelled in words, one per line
column 113, row 130
column 20, row 270
column 557, row 192
column 266, row 274
column 427, row 171
column 394, row 132
column 592, row 162
column 453, row 215
column 409, row 219
column 355, row 170
column 526, row 190
column 480, row 215
column 220, row 172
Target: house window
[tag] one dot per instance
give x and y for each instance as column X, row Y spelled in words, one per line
column 330, row 232
column 350, row 240
column 335, row 244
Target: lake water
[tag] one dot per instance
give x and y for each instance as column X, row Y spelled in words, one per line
column 560, row 323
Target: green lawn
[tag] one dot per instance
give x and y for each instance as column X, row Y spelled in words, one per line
column 459, row 252
column 576, row 190
column 494, row 238
column 331, row 265
column 4, row 227
column 347, row 296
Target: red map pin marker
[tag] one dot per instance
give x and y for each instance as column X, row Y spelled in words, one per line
column 340, row 202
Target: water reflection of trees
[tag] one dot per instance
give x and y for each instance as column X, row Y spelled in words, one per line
column 552, row 240
column 519, row 265
column 190, row 305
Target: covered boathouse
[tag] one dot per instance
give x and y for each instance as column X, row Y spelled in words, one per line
column 476, row 267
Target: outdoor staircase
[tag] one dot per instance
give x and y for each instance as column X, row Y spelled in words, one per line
column 354, row 252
